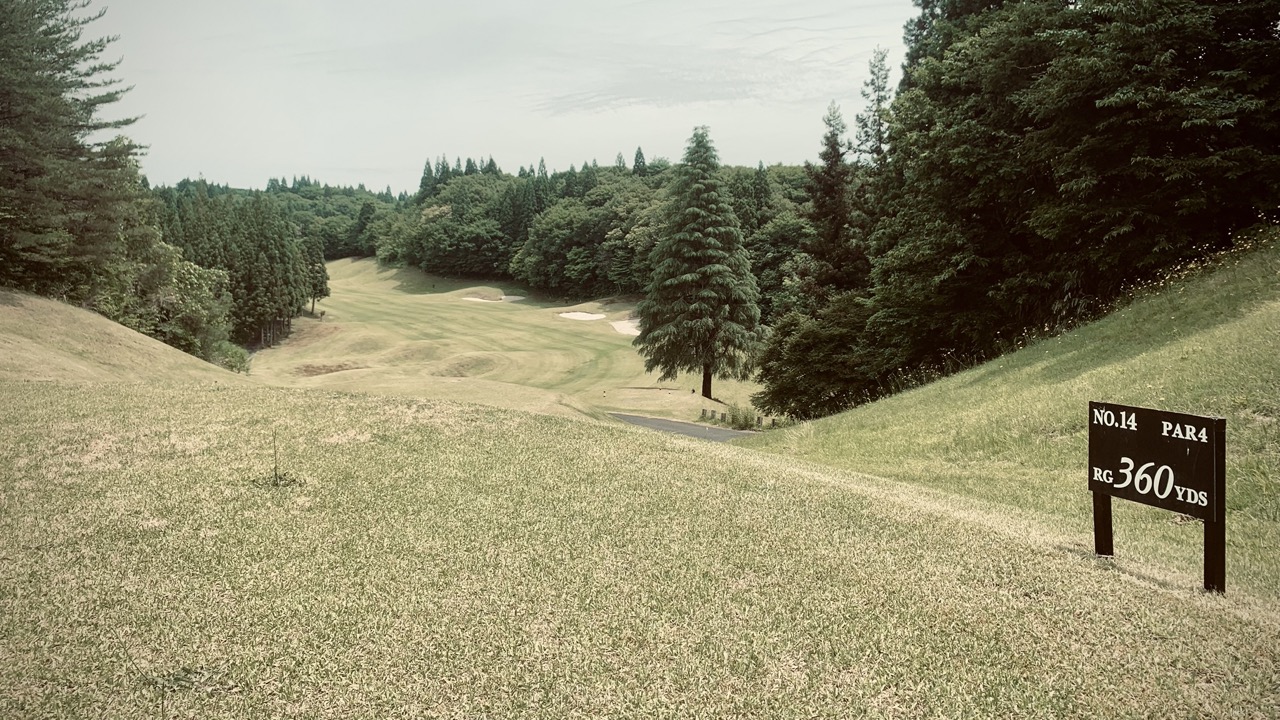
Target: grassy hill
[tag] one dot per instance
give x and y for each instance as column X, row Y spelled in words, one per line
column 177, row 547
column 1012, row 434
column 401, row 332
column 42, row 339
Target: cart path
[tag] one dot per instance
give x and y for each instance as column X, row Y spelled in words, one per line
column 705, row 432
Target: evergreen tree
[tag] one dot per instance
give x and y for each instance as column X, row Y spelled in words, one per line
column 443, row 171
column 588, row 178
column 359, row 241
column 542, row 190
column 427, row 185
column 569, row 183
column 873, row 124
column 839, row 260
column 699, row 314
column 638, row 166
column 317, row 273
column 67, row 205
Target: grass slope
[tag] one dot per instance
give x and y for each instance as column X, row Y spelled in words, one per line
column 438, row 560
column 1012, row 433
column 406, row 333
column 43, row 339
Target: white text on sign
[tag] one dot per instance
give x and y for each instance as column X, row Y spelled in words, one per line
column 1108, row 418
column 1160, row 483
column 1184, row 431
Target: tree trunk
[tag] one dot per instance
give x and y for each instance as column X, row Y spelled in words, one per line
column 313, row 307
column 706, row 381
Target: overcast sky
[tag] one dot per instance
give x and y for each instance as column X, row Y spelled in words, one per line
column 239, row 91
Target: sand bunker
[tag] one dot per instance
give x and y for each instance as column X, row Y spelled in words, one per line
column 626, row 327
column 505, row 298
column 582, row 316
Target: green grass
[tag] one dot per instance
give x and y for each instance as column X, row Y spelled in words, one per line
column 400, row 332
column 432, row 558
column 438, row 560
column 1012, row 433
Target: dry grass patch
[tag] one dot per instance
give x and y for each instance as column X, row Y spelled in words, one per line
column 443, row 560
column 314, row 370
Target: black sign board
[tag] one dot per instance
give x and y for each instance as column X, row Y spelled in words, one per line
column 1170, row 460
column 1158, row 458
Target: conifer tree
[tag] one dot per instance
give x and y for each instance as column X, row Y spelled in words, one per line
column 840, row 263
column 67, row 204
column 700, row 313
column 426, row 186
column 638, row 166
column 873, row 125
column 541, row 188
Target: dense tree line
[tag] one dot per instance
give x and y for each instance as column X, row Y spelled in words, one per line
column 1040, row 158
column 583, row 232
column 195, row 266
column 76, row 219
column 270, row 270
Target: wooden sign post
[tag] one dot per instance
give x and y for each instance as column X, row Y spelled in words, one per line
column 1169, row 460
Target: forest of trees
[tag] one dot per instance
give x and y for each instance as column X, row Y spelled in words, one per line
column 1038, row 159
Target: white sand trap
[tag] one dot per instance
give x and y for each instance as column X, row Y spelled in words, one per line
column 505, row 298
column 626, row 327
column 582, row 316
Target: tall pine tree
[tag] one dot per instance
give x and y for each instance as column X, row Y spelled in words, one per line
column 68, row 206
column 700, row 313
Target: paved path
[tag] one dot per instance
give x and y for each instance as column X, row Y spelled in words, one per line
column 706, row 432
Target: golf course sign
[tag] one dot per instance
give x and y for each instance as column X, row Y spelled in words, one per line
column 1169, row 460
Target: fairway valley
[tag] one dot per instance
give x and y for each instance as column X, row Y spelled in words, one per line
column 399, row 331
column 411, row 501
column 437, row 557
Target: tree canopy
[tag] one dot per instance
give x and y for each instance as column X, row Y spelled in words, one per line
column 699, row 313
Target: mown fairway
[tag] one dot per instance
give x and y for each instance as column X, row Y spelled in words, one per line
column 402, row 332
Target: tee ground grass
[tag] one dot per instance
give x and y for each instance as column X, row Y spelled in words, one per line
column 1013, row 433
column 438, row 560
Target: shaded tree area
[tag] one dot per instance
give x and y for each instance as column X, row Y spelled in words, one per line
column 271, row 270
column 77, row 222
column 1039, row 160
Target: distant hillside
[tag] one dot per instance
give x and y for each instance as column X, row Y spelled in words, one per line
column 43, row 339
column 1013, row 432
